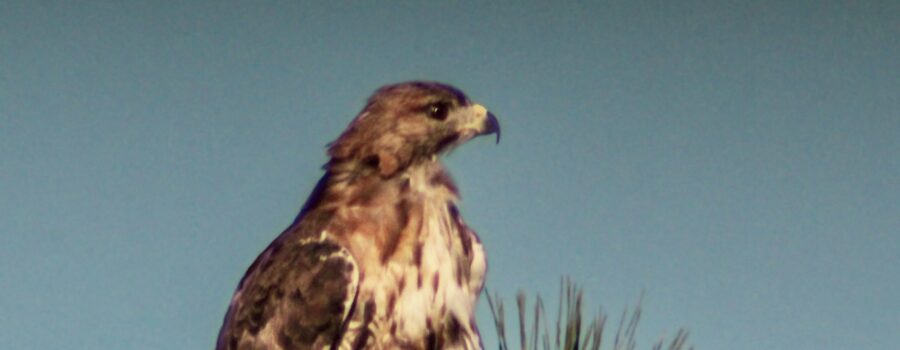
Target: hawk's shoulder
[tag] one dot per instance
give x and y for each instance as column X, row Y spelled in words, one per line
column 296, row 295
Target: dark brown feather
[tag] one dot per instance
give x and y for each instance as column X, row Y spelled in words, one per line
column 299, row 281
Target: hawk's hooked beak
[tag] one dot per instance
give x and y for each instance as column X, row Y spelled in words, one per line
column 492, row 126
column 485, row 123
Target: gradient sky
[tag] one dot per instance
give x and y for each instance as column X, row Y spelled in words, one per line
column 739, row 162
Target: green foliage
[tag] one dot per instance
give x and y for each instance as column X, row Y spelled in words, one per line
column 570, row 334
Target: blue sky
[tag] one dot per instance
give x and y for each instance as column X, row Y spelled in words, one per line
column 736, row 161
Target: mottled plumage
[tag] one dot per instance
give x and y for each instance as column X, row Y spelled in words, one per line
column 379, row 256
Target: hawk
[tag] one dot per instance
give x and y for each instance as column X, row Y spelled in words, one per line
column 379, row 256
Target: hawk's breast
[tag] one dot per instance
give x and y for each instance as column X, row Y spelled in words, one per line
column 423, row 295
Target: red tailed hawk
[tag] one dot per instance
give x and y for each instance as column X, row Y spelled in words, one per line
column 379, row 256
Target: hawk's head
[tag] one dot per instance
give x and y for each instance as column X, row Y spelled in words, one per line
column 410, row 122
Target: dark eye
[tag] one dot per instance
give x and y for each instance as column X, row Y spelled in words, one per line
column 438, row 110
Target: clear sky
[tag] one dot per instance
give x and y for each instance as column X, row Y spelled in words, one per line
column 738, row 161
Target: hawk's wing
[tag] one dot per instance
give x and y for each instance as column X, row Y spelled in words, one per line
column 298, row 293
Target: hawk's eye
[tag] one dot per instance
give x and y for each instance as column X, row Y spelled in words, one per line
column 438, row 110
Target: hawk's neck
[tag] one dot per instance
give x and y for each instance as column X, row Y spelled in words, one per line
column 385, row 212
